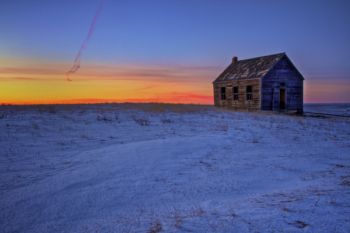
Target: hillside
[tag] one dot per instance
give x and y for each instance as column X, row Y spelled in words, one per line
column 171, row 168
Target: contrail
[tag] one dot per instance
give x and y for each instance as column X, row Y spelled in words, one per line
column 76, row 63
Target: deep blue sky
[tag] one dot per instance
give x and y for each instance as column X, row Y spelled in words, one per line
column 314, row 33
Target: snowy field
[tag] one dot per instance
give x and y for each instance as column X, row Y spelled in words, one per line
column 335, row 109
column 171, row 168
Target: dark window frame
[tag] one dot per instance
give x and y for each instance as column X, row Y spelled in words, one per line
column 235, row 91
column 249, row 92
column 223, row 93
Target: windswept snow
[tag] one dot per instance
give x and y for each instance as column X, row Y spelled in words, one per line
column 171, row 168
column 340, row 109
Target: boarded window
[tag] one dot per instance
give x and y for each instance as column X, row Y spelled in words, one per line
column 223, row 93
column 249, row 93
column 235, row 93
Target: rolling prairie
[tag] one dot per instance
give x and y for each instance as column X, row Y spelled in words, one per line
column 171, row 168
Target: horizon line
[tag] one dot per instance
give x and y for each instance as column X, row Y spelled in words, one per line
column 132, row 102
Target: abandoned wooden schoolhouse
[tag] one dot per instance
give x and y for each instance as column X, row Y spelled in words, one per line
column 263, row 83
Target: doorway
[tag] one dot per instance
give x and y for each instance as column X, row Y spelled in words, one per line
column 282, row 99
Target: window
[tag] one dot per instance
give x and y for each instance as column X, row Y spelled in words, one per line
column 249, row 93
column 223, row 93
column 235, row 93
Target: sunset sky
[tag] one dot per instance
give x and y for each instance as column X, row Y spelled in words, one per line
column 165, row 51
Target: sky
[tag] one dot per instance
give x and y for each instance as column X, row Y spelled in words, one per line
column 165, row 51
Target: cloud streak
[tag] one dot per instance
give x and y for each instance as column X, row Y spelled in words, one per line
column 165, row 73
column 76, row 64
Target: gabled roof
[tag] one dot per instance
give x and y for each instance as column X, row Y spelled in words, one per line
column 251, row 68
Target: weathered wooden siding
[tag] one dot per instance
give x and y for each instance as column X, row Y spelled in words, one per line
column 242, row 103
column 283, row 73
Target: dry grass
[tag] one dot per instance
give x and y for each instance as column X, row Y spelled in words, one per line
column 299, row 224
column 255, row 140
column 103, row 117
column 166, row 121
column 197, row 212
column 345, row 181
column 160, row 107
column 35, row 126
column 156, row 227
column 222, row 127
column 47, row 109
column 178, row 221
column 142, row 121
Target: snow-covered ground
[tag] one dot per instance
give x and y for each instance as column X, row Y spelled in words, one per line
column 171, row 168
column 341, row 109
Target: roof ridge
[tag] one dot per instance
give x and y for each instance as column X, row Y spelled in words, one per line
column 252, row 58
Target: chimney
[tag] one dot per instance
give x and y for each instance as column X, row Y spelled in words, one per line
column 234, row 60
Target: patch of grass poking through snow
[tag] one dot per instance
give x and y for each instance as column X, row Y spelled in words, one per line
column 255, row 140
column 142, row 121
column 178, row 220
column 155, row 227
column 84, row 136
column 208, row 166
column 47, row 109
column 345, row 181
column 299, row 224
column 35, row 126
column 166, row 121
column 286, row 209
column 105, row 118
column 2, row 115
column 223, row 127
column 197, row 212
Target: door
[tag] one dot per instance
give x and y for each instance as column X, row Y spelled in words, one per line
column 282, row 99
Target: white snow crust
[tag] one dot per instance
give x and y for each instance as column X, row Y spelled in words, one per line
column 171, row 168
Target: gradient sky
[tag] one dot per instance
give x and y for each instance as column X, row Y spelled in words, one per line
column 165, row 51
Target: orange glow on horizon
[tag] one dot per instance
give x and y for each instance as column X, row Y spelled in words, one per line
column 37, row 82
column 175, row 99
column 28, row 84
